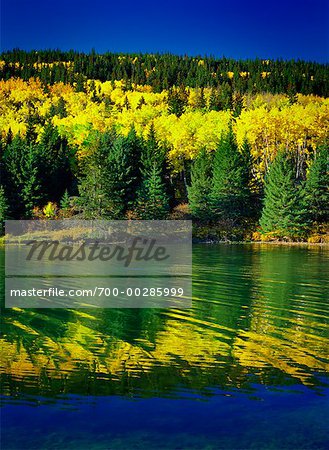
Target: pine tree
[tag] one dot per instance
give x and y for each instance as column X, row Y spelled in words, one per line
column 22, row 167
column 226, row 96
column 65, row 201
column 30, row 134
column 283, row 213
column 94, row 187
column 152, row 201
column 200, row 188
column 214, row 103
column 230, row 194
column 61, row 108
column 150, row 151
column 237, row 103
column 65, row 204
column 200, row 101
column 54, row 158
column 292, row 94
column 108, row 176
column 317, row 187
column 120, row 169
column 134, row 148
column 177, row 101
column 80, row 83
column 3, row 210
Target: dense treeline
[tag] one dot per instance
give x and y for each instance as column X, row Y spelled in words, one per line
column 163, row 71
column 129, row 177
column 292, row 201
column 166, row 137
column 121, row 177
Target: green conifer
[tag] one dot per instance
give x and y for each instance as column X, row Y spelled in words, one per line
column 3, row 209
column 317, row 187
column 283, row 213
column 152, row 201
column 200, row 188
column 230, row 194
column 65, row 203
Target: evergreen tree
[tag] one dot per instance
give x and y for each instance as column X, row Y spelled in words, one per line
column 65, row 201
column 317, row 187
column 151, row 150
column 30, row 134
column 214, row 103
column 22, row 167
column 80, row 83
column 61, row 108
column 177, row 101
column 282, row 77
column 109, row 180
column 54, row 158
column 283, row 213
column 94, row 187
column 226, row 96
column 65, row 204
column 200, row 101
column 200, row 188
column 153, row 201
column 237, row 104
column 3, row 210
column 292, row 94
column 120, row 176
column 134, row 149
column 230, row 194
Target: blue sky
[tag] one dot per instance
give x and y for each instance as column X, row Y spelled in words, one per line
column 234, row 28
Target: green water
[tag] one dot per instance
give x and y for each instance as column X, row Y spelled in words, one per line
column 245, row 367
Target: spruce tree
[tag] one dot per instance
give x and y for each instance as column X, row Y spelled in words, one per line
column 230, row 194
column 177, row 101
column 121, row 176
column 3, row 210
column 108, row 177
column 94, row 187
column 65, row 204
column 22, row 167
column 54, row 156
column 200, row 188
column 283, row 213
column 226, row 96
column 152, row 201
column 65, row 201
column 30, row 134
column 214, row 103
column 317, row 187
column 200, row 101
column 134, row 148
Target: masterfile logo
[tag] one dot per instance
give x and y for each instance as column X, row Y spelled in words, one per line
column 76, row 264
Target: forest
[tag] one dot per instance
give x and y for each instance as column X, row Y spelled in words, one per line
column 241, row 147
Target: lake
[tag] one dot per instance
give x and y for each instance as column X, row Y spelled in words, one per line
column 245, row 368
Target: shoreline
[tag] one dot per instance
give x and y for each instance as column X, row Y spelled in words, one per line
column 278, row 243
column 3, row 243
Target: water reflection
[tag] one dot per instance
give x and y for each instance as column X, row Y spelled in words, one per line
column 260, row 315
